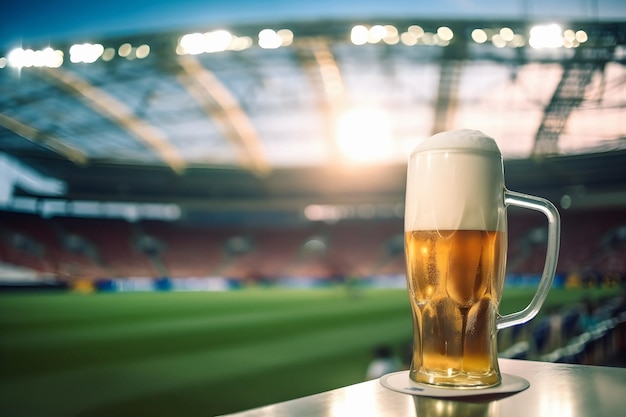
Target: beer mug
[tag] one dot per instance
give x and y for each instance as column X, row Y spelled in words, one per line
column 455, row 246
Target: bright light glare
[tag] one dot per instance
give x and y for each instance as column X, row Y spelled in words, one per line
column 507, row 34
column 445, row 33
column 479, row 36
column 26, row 58
column 240, row 43
column 286, row 36
column 108, row 54
column 518, row 41
column 546, row 36
column 142, row 51
column 569, row 35
column 376, row 34
column 359, row 34
column 364, row 134
column 429, row 38
column 125, row 50
column 211, row 42
column 391, row 37
column 497, row 41
column 416, row 31
column 569, row 39
column 269, row 39
column 318, row 212
column 216, row 41
column 192, row 43
column 49, row 58
column 407, row 39
column 412, row 35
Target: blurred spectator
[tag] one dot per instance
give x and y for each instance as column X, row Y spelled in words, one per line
column 588, row 318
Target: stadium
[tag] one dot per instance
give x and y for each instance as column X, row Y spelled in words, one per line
column 207, row 218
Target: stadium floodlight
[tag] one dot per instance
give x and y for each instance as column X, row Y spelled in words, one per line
column 479, row 36
column 430, row 39
column 518, row 41
column 286, row 36
column 222, row 40
column 581, row 36
column 507, row 34
column 412, row 35
column 217, row 41
column 359, row 35
column 498, row 41
column 26, row 58
column 407, row 39
column 48, row 58
column 573, row 39
column 87, row 53
column 108, row 54
column 20, row 58
column 391, row 37
column 191, row 44
column 269, row 39
column 142, row 51
column 239, row 43
column 546, row 36
column 376, row 34
column 416, row 31
column 125, row 50
column 325, row 212
column 445, row 33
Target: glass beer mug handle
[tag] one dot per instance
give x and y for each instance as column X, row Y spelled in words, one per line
column 554, row 229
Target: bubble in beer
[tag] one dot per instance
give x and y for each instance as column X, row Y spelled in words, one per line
column 478, row 348
column 417, row 333
column 442, row 345
column 466, row 280
column 423, row 253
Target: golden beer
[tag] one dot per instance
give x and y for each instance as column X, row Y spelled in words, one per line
column 455, row 226
column 455, row 284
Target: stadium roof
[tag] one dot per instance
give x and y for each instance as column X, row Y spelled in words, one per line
column 288, row 114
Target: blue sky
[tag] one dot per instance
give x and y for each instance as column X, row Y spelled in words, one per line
column 34, row 23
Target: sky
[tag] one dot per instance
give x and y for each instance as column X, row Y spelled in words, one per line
column 37, row 23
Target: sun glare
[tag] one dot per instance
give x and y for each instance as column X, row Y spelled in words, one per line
column 364, row 134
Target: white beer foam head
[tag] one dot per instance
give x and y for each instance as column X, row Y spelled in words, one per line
column 462, row 139
column 455, row 181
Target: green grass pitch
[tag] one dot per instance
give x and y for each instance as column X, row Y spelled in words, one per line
column 196, row 354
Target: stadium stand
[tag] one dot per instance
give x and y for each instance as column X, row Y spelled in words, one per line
column 80, row 253
column 592, row 251
column 580, row 334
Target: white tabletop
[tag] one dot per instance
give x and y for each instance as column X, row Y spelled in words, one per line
column 555, row 390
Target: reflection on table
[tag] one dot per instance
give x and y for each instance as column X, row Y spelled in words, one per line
column 555, row 390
